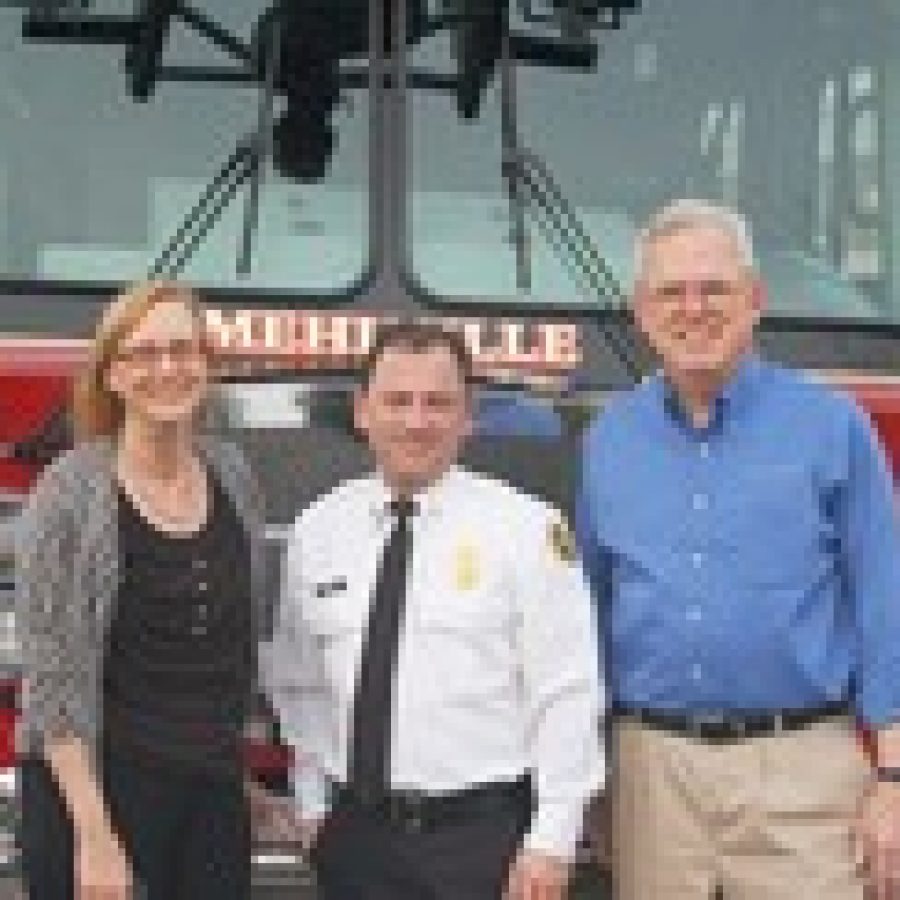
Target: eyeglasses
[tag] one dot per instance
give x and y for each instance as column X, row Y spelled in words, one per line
column 711, row 291
column 145, row 356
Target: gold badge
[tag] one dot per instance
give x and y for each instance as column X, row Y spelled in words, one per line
column 466, row 567
column 562, row 542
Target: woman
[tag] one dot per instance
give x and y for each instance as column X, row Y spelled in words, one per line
column 140, row 587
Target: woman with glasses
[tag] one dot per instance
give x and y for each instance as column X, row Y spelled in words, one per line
column 140, row 595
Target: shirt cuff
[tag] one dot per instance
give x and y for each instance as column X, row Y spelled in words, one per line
column 312, row 793
column 877, row 707
column 556, row 830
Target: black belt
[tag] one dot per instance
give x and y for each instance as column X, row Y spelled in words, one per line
column 421, row 811
column 730, row 727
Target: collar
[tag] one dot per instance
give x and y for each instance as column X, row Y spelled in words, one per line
column 429, row 501
column 738, row 390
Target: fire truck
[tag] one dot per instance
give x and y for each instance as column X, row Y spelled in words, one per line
column 506, row 160
column 284, row 395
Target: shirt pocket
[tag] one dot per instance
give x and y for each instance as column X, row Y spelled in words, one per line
column 773, row 529
column 332, row 615
column 461, row 589
column 463, row 632
column 330, row 602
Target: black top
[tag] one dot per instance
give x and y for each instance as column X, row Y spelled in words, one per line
column 179, row 663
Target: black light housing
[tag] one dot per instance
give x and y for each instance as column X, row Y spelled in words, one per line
column 312, row 37
column 482, row 26
column 143, row 57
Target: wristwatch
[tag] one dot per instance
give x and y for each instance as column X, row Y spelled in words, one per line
column 887, row 773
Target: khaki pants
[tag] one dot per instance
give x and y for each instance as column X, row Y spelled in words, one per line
column 767, row 818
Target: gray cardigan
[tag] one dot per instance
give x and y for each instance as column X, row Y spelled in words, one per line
column 67, row 578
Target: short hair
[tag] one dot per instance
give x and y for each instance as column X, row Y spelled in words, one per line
column 97, row 411
column 417, row 337
column 680, row 215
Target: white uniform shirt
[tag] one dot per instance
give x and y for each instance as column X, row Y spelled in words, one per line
column 498, row 669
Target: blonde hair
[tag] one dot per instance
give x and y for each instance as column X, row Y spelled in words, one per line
column 687, row 213
column 97, row 410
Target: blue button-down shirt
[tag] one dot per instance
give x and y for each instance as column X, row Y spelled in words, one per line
column 752, row 564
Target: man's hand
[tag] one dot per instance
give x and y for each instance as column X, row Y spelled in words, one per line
column 276, row 820
column 537, row 876
column 878, row 832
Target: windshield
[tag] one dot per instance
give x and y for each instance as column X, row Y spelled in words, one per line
column 233, row 143
column 120, row 155
column 780, row 109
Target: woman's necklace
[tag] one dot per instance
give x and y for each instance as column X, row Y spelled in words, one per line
column 178, row 501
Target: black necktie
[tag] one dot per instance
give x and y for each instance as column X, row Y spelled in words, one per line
column 373, row 704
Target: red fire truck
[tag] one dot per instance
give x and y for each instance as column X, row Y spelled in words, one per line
column 276, row 375
column 285, row 383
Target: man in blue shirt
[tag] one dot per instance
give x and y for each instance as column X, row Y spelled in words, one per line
column 740, row 529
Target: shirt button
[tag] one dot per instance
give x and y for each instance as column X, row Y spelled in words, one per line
column 697, row 560
column 201, row 611
column 199, row 563
column 696, row 671
column 694, row 614
column 701, row 501
column 202, row 585
column 704, row 450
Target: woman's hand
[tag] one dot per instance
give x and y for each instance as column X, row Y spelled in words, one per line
column 102, row 869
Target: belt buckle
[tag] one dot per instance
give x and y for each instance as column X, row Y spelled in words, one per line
column 723, row 729
column 707, row 727
column 778, row 723
column 413, row 811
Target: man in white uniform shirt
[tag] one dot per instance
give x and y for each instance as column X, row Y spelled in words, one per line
column 436, row 661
